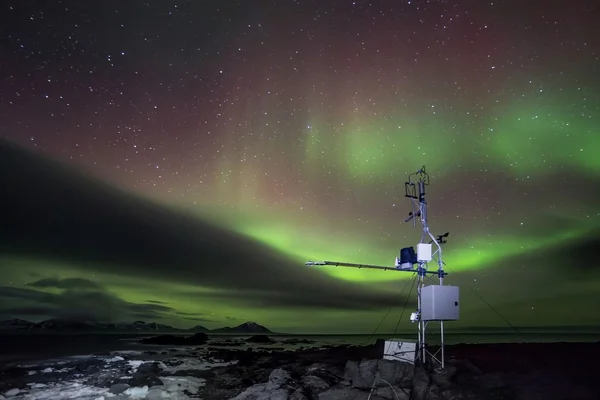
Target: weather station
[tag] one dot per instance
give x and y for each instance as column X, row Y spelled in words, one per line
column 436, row 302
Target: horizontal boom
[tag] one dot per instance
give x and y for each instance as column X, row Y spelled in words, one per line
column 351, row 265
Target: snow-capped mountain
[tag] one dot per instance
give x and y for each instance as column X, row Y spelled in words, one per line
column 198, row 328
column 16, row 325
column 69, row 326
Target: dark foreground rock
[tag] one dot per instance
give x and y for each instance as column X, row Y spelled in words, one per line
column 259, row 339
column 477, row 372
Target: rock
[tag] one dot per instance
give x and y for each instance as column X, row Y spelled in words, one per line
column 104, row 378
column 330, row 374
column 247, row 357
column 390, row 393
column 443, row 378
column 146, row 375
column 259, row 392
column 420, row 384
column 119, row 388
column 314, row 384
column 279, row 377
column 433, row 393
column 298, row 395
column 12, row 392
column 197, row 339
column 346, row 393
column 148, row 368
column 259, row 339
column 142, row 381
column 365, row 374
column 276, row 388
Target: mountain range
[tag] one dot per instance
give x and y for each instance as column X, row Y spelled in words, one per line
column 68, row 326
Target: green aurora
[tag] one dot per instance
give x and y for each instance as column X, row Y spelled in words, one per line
column 294, row 153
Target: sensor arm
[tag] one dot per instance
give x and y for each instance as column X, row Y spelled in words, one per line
column 351, row 265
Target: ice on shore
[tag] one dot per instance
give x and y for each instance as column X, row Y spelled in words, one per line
column 63, row 390
column 67, row 382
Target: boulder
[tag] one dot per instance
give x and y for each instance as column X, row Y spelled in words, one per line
column 314, row 384
column 420, row 384
column 197, row 339
column 260, row 339
column 279, row 387
column 146, row 375
column 119, row 388
column 368, row 373
column 347, row 393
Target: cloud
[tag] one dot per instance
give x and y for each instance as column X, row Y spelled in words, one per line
column 80, row 304
column 374, row 300
column 200, row 319
column 53, row 212
column 67, row 283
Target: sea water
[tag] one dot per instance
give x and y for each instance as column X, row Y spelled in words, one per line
column 27, row 347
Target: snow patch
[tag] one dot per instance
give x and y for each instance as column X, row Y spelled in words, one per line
column 58, row 391
column 114, row 359
column 137, row 392
column 135, row 364
column 181, row 383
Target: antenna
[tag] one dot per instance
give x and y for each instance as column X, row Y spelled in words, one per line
column 435, row 302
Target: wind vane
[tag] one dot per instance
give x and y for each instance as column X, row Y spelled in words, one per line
column 435, row 302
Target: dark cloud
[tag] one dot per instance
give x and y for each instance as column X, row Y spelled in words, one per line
column 53, row 212
column 194, row 316
column 85, row 305
column 67, row 283
column 535, row 286
column 372, row 300
column 578, row 258
column 26, row 312
column 200, row 319
column 10, row 292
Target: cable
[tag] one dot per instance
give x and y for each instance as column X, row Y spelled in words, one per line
column 488, row 304
column 405, row 303
column 494, row 310
column 389, row 384
column 378, row 326
column 388, row 313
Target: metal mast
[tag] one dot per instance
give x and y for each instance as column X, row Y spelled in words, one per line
column 415, row 191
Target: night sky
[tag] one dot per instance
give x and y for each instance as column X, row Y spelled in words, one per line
column 179, row 161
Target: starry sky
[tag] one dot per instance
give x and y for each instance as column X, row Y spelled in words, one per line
column 179, row 161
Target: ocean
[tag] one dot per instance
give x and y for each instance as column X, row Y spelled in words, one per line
column 37, row 347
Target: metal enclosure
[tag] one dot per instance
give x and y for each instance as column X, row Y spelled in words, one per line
column 424, row 252
column 439, row 303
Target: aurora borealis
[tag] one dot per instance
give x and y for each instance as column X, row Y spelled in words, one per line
column 244, row 138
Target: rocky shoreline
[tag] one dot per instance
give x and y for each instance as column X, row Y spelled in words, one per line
column 207, row 371
column 503, row 371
